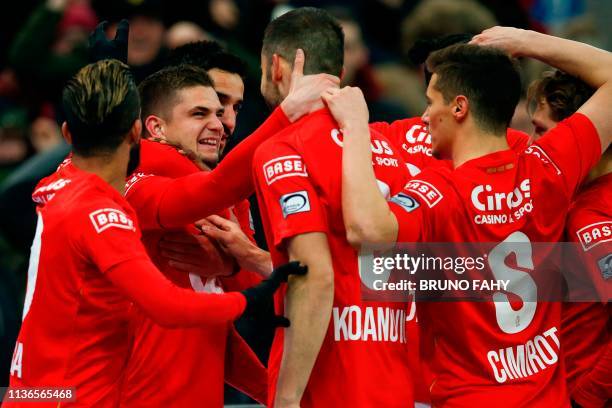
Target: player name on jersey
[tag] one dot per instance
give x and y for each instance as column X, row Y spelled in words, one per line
column 355, row 323
column 525, row 360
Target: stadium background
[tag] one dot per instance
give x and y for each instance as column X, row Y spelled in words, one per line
column 42, row 44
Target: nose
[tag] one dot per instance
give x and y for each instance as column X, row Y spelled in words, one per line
column 216, row 125
column 229, row 119
column 425, row 116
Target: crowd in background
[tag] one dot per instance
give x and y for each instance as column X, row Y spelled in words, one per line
column 44, row 44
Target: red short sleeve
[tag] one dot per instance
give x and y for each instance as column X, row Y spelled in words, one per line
column 574, row 148
column 592, row 230
column 291, row 203
column 107, row 235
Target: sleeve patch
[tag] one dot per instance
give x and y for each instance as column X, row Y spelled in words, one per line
column 294, row 203
column 605, row 266
column 106, row 218
column 408, row 203
column 595, row 234
column 429, row 193
column 538, row 152
column 285, row 166
column 136, row 177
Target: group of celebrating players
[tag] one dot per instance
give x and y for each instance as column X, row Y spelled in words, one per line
column 144, row 253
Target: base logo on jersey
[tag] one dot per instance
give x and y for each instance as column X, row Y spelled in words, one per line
column 408, row 203
column 430, row 194
column 286, row 166
column 294, row 203
column 605, row 266
column 106, row 218
column 538, row 152
column 595, row 234
column 136, row 177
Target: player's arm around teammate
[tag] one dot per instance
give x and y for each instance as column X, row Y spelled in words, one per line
column 368, row 218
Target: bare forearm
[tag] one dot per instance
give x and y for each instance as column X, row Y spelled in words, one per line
column 308, row 308
column 590, row 64
column 308, row 304
column 366, row 213
column 261, row 262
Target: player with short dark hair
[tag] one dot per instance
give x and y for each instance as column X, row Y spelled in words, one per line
column 339, row 350
column 88, row 264
column 179, row 102
column 486, row 352
column 585, row 333
column 226, row 70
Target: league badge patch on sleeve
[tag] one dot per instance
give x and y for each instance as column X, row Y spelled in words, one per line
column 294, row 203
column 408, row 203
column 106, row 218
column 605, row 266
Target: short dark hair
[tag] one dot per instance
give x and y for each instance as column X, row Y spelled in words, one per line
column 564, row 93
column 207, row 55
column 313, row 30
column 488, row 77
column 100, row 104
column 158, row 91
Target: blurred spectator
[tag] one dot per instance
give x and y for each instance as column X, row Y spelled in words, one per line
column 45, row 134
column 50, row 48
column 359, row 72
column 554, row 14
column 185, row 32
column 13, row 145
column 430, row 19
column 146, row 49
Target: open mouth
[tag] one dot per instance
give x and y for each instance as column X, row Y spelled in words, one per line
column 210, row 141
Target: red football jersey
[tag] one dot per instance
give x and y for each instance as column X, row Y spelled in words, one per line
column 363, row 360
column 495, row 353
column 412, row 138
column 196, row 357
column 74, row 331
column 586, row 326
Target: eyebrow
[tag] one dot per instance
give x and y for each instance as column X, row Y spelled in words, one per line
column 207, row 110
column 223, row 95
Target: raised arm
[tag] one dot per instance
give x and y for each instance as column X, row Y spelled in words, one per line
column 592, row 65
column 367, row 217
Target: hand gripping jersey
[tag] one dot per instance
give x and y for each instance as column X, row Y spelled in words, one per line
column 199, row 359
column 495, row 353
column 363, row 359
column 585, row 332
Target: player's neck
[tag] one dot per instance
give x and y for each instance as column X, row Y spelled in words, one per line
column 602, row 168
column 107, row 167
column 472, row 143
